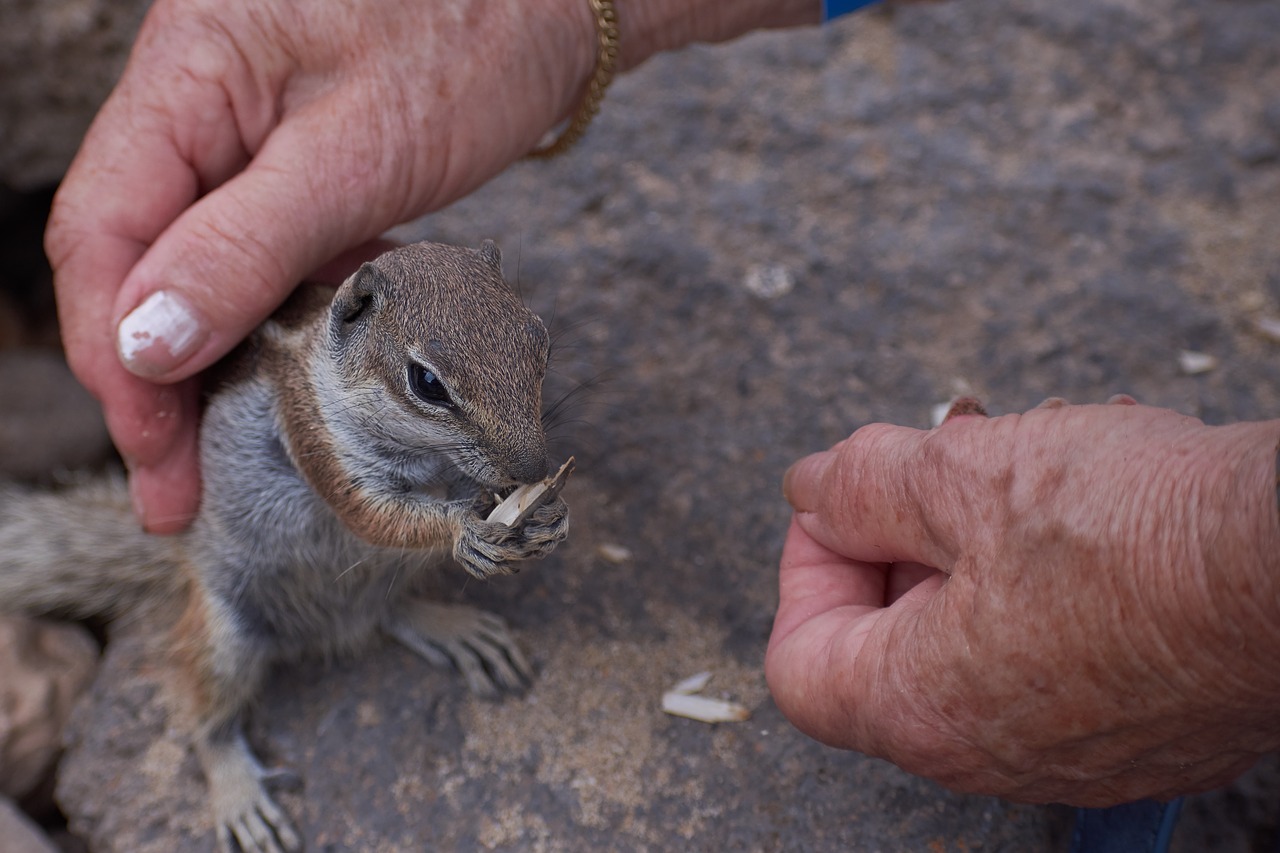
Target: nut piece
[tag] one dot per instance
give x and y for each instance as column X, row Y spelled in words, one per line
column 682, row 701
column 521, row 503
column 704, row 709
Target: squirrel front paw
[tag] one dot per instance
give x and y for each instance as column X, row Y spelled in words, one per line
column 487, row 548
column 546, row 528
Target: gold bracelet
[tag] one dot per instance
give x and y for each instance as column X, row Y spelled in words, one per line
column 606, row 66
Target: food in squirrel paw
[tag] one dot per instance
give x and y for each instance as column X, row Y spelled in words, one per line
column 521, row 503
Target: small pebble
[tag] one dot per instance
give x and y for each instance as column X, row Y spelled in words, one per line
column 1270, row 327
column 615, row 554
column 1194, row 363
column 769, row 281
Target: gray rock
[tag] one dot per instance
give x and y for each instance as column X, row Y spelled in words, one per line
column 59, row 60
column 44, row 667
column 128, row 781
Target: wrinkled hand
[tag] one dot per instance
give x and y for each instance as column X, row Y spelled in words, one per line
column 1079, row 604
column 247, row 143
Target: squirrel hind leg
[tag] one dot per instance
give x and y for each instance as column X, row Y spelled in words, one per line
column 223, row 672
column 242, row 809
column 476, row 642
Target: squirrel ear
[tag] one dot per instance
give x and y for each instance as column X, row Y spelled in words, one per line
column 491, row 255
column 356, row 296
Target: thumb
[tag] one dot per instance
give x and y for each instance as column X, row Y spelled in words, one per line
column 836, row 649
column 231, row 258
column 879, row 497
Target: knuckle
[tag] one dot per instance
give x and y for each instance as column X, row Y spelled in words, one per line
column 869, row 438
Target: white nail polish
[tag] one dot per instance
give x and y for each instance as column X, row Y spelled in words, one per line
column 159, row 334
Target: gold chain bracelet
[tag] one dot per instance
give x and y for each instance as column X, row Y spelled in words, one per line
column 606, row 67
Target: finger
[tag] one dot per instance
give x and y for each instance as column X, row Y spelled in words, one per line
column 100, row 225
column 867, row 499
column 814, row 580
column 153, row 426
column 93, row 240
column 826, row 654
column 1121, row 400
column 233, row 256
column 1052, row 403
column 905, row 577
column 826, row 606
column 144, row 160
column 166, row 493
column 337, row 270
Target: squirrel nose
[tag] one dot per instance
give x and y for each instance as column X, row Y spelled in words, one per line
column 530, row 467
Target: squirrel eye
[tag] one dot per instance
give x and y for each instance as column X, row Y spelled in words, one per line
column 427, row 386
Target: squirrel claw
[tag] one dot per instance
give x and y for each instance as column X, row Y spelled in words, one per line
column 484, row 548
column 242, row 808
column 283, row 778
column 263, row 830
column 477, row 643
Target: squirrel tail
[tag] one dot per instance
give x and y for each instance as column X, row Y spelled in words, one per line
column 78, row 552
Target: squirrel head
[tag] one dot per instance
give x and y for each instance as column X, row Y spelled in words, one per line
column 453, row 358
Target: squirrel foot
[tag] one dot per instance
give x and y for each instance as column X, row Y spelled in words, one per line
column 474, row 641
column 242, row 808
column 487, row 548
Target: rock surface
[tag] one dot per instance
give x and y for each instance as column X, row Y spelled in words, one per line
column 58, row 61
column 44, row 667
column 48, row 422
column 757, row 249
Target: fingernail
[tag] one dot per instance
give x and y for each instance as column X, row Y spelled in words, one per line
column 786, row 483
column 159, row 334
column 962, row 406
column 801, row 479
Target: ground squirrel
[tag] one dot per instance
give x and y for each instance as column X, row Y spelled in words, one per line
column 355, row 439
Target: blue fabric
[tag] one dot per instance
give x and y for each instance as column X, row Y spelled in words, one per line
column 1142, row 827
column 835, row 8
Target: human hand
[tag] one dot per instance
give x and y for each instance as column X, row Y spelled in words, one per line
column 249, row 142
column 1080, row 604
